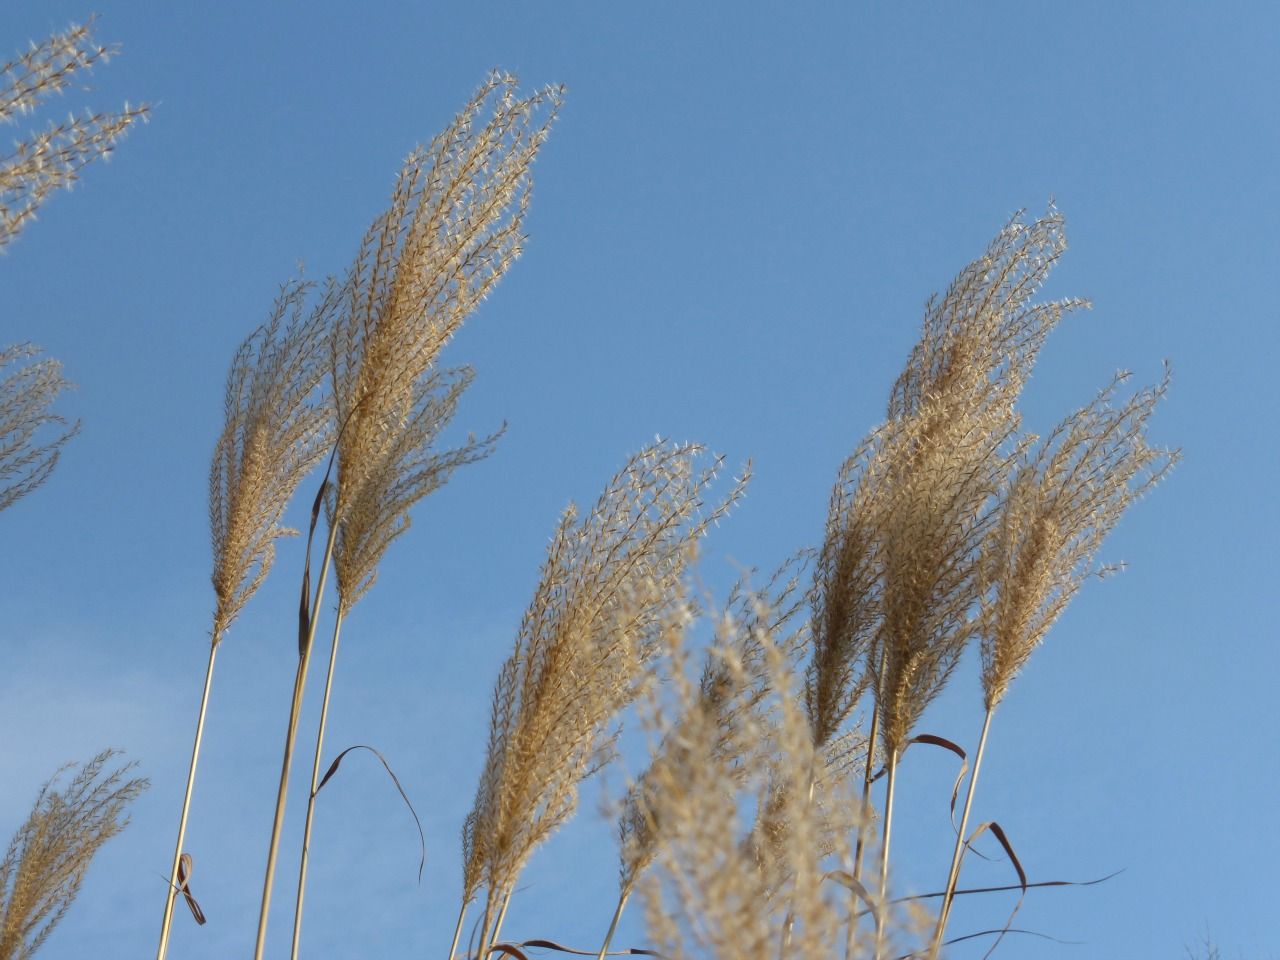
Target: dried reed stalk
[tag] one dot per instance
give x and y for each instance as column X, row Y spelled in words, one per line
column 1054, row 513
column 274, row 433
column 48, row 857
column 609, row 584
column 52, row 159
column 28, row 389
column 451, row 231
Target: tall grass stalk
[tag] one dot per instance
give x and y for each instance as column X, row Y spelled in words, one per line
column 315, row 785
column 953, row 873
column 273, row 434
column 180, row 846
column 291, row 733
column 891, row 771
column 613, row 924
column 452, row 230
column 457, row 930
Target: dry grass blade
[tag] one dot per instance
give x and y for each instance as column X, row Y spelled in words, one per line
column 52, row 159
column 31, row 434
column 1059, row 506
column 275, row 431
column 610, row 586
column 48, row 857
column 333, row 768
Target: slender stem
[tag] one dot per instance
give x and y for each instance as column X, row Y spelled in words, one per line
column 868, row 776
column 502, row 915
column 167, row 923
column 291, row 735
column 457, row 931
column 953, row 877
column 482, row 947
column 315, row 784
column 891, row 765
column 864, row 815
column 613, row 924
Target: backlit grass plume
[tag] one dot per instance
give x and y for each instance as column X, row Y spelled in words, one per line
column 1056, row 509
column 724, row 712
column 452, row 229
column 608, row 586
column 276, row 430
column 52, row 159
column 897, row 579
column 31, row 434
column 48, row 857
column 745, row 856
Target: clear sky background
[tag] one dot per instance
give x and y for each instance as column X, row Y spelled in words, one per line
column 735, row 226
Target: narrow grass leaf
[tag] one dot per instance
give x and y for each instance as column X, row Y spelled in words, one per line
column 185, row 868
column 333, row 768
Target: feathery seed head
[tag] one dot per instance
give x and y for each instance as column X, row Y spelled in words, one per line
column 31, row 435
column 1058, row 506
column 275, row 431
column 52, row 159
column 611, row 586
column 46, row 861
column 451, row 230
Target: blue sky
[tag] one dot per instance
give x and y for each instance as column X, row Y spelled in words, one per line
column 735, row 226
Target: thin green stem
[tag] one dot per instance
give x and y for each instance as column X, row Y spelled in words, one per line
column 953, row 876
column 315, row 785
column 167, row 923
column 613, row 924
column 291, row 735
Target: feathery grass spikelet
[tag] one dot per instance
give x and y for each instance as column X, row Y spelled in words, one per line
column 609, row 585
column 48, row 857
column 845, row 596
column 28, row 389
column 275, row 432
column 451, row 231
column 1059, row 505
column 734, row 686
column 52, row 159
column 951, row 440
column 744, row 853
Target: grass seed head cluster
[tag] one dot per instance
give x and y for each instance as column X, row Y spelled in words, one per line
column 949, row 528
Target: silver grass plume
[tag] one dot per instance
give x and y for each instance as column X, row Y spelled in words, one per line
column 31, row 434
column 610, row 586
column 52, row 159
column 276, row 430
column 452, row 229
column 47, row 859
